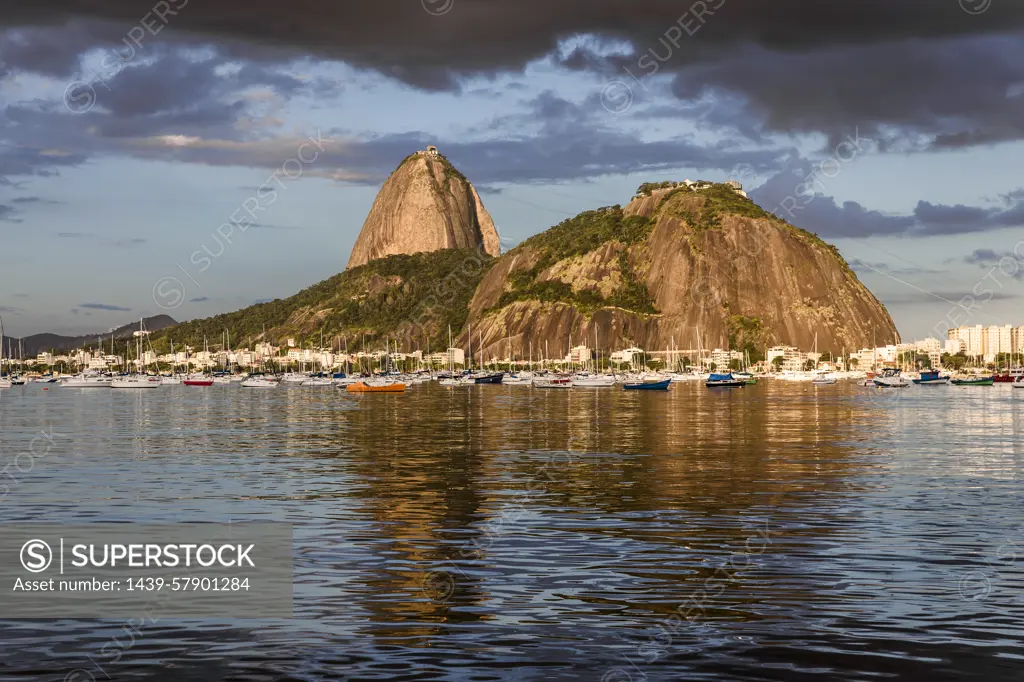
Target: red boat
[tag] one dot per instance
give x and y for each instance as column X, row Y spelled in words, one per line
column 1002, row 379
column 198, row 381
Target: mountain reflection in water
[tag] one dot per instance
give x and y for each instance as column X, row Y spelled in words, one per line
column 505, row 533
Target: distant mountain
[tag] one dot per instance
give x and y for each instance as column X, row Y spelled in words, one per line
column 38, row 343
column 675, row 260
column 426, row 205
column 411, row 299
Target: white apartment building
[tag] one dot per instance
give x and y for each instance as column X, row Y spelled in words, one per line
column 578, row 355
column 626, row 356
column 987, row 342
column 792, row 359
column 721, row 358
column 452, row 356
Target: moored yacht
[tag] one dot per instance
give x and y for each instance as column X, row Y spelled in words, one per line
column 259, row 381
column 87, row 380
column 552, row 381
column 890, row 378
column 135, row 381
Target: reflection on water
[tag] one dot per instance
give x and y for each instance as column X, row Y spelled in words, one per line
column 772, row 532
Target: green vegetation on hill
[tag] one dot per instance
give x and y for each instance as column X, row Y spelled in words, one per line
column 718, row 200
column 577, row 236
column 416, row 295
column 747, row 334
column 585, row 233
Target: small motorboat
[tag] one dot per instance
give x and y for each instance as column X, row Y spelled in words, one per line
column 5, row 382
column 376, row 386
column 521, row 379
column 1018, row 382
column 318, row 382
column 197, row 380
column 18, row 381
column 824, row 379
column 931, row 377
column 648, row 385
column 552, row 382
column 891, row 378
column 494, row 378
column 973, row 381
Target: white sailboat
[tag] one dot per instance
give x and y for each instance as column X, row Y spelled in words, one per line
column 5, row 382
column 259, row 381
column 137, row 380
column 586, row 379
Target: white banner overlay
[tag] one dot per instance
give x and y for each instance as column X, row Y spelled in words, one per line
column 113, row 570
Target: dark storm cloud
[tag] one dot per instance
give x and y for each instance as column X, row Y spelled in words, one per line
column 983, row 256
column 483, row 36
column 8, row 214
column 1008, row 263
column 174, row 94
column 910, row 95
column 33, row 200
column 932, row 70
column 916, row 298
column 791, row 195
column 103, row 306
column 864, row 267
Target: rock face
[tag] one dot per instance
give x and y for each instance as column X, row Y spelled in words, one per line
column 426, row 205
column 672, row 262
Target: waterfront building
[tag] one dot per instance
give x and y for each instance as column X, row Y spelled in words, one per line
column 452, row 356
column 792, row 359
column 987, row 343
column 578, row 355
column 626, row 355
column 721, row 358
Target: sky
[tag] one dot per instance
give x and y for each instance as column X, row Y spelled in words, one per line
column 132, row 136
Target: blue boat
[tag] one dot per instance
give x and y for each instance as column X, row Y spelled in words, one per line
column 494, row 378
column 724, row 381
column 647, row 385
column 929, row 377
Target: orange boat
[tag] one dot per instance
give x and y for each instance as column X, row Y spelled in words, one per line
column 363, row 387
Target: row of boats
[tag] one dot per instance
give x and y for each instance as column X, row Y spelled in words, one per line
column 893, row 378
column 389, row 383
column 645, row 381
